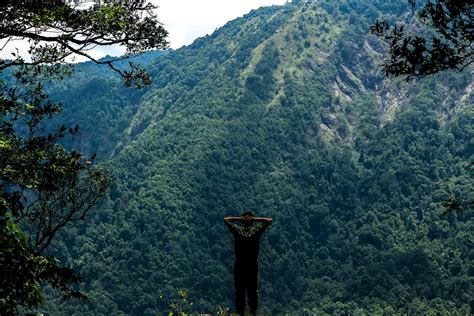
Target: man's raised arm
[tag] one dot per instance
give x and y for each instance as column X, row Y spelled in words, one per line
column 230, row 219
column 266, row 221
column 228, row 222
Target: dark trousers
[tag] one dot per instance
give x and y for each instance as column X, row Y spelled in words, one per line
column 246, row 280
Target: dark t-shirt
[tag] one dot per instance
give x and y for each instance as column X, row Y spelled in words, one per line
column 247, row 242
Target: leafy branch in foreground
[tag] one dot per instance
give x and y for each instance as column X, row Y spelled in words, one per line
column 441, row 38
column 56, row 32
column 44, row 186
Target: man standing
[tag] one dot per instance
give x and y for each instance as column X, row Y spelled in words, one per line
column 247, row 244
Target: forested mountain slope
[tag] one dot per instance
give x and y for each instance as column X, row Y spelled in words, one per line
column 284, row 112
column 96, row 99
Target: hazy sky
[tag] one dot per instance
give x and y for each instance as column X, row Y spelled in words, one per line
column 185, row 20
column 188, row 19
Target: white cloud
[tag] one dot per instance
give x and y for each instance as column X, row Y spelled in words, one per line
column 186, row 19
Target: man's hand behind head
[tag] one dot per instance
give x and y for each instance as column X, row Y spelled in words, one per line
column 247, row 219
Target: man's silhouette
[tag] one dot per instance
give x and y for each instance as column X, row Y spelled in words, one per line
column 247, row 244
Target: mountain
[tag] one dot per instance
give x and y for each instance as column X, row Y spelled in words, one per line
column 284, row 112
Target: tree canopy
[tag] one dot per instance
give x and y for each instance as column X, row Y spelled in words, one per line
column 43, row 185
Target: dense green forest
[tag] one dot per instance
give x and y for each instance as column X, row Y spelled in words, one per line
column 284, row 112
